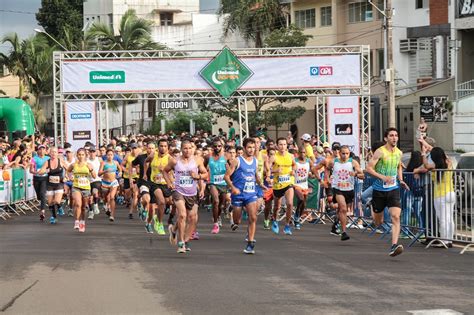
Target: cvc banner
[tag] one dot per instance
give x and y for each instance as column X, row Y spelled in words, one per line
column 343, row 121
column 81, row 124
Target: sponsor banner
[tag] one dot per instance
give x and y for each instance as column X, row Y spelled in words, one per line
column 30, row 189
column 465, row 8
column 177, row 104
column 433, row 108
column 81, row 124
column 343, row 121
column 208, row 74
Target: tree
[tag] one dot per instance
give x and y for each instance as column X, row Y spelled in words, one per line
column 57, row 16
column 254, row 19
column 279, row 115
column 180, row 122
column 134, row 34
column 292, row 36
column 15, row 60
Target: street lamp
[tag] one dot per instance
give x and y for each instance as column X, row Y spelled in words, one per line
column 37, row 30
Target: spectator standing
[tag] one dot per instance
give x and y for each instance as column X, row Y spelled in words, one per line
column 231, row 131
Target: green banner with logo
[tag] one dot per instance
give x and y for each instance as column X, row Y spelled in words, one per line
column 18, row 185
column 226, row 73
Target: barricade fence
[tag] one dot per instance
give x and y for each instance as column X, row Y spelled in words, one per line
column 17, row 193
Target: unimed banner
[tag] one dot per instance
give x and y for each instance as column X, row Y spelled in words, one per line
column 81, row 124
column 181, row 75
column 343, row 121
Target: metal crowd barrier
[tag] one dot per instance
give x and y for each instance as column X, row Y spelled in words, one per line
column 449, row 212
column 17, row 193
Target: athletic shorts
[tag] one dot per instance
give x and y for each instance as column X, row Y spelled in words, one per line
column 84, row 192
column 126, row 183
column 107, row 185
column 164, row 189
column 221, row 189
column 54, row 187
column 268, row 194
column 96, row 185
column 145, row 188
column 189, row 201
column 68, row 184
column 348, row 195
column 383, row 199
column 279, row 193
column 259, row 192
column 51, row 192
column 243, row 199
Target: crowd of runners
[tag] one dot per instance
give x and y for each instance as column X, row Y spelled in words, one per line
column 165, row 179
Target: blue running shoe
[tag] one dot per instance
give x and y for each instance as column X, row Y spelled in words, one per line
column 297, row 226
column 275, row 227
column 287, row 230
column 250, row 248
column 52, row 220
column 149, row 228
column 60, row 211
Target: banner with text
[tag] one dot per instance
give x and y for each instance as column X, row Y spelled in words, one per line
column 343, row 121
column 182, row 75
column 81, row 124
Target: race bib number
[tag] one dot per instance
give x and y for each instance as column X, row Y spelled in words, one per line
column 301, row 180
column 54, row 179
column 391, row 184
column 249, row 187
column 83, row 181
column 186, row 181
column 343, row 185
column 218, row 179
column 284, row 179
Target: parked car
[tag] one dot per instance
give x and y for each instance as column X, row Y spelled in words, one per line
column 465, row 188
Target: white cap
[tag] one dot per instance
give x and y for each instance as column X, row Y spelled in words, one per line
column 306, row 137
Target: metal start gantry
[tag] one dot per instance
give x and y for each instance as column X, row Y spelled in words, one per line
column 242, row 94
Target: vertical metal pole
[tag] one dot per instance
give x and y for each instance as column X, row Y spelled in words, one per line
column 240, row 115
column 107, row 136
column 99, row 104
column 326, row 133
column 391, row 70
column 61, row 119
column 246, row 122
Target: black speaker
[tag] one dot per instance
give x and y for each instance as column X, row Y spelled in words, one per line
column 18, row 134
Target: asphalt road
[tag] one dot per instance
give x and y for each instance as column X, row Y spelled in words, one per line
column 119, row 269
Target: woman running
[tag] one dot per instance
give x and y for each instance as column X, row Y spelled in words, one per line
column 54, row 168
column 108, row 170
column 81, row 188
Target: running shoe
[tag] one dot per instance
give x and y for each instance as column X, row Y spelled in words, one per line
column 149, row 228
column 91, row 215
column 161, row 229
column 186, row 245
column 42, row 216
column 247, row 239
column 60, row 211
column 172, row 235
column 76, row 225
column 297, row 226
column 82, row 226
column 250, row 248
column 111, row 219
column 167, row 210
column 266, row 224
column 395, row 250
column 287, row 230
column 52, row 220
column 130, row 216
column 344, row 236
column 215, row 228
column 234, row 226
column 96, row 209
column 156, row 224
column 219, row 221
column 108, row 213
column 181, row 248
column 334, row 230
column 69, row 212
column 275, row 227
column 195, row 236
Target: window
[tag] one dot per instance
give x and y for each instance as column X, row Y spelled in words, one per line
column 381, row 6
column 326, row 18
column 422, row 4
column 360, row 12
column 305, row 18
column 380, row 59
column 166, row 19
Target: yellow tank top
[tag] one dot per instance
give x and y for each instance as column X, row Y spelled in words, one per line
column 126, row 174
column 284, row 178
column 260, row 165
column 156, row 164
column 81, row 176
column 444, row 186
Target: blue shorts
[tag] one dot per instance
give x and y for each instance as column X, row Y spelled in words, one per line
column 243, row 199
column 259, row 192
column 68, row 184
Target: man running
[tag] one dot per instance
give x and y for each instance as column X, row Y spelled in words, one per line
column 242, row 178
column 96, row 183
column 386, row 167
column 130, row 174
column 303, row 170
column 283, row 179
column 188, row 170
column 344, row 169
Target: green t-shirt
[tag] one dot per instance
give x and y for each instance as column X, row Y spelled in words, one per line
column 231, row 132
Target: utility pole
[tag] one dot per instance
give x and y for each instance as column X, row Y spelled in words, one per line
column 390, row 72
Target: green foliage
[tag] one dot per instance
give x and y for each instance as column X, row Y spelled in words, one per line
column 287, row 37
column 180, row 122
column 279, row 115
column 254, row 19
column 60, row 16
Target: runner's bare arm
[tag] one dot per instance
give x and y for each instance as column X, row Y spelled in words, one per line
column 358, row 170
column 168, row 168
column 230, row 170
column 91, row 169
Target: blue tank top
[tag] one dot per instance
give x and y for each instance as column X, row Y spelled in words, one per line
column 243, row 177
column 39, row 163
column 110, row 168
column 217, row 170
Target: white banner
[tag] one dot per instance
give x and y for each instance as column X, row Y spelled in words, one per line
column 81, row 123
column 343, row 121
column 181, row 75
column 30, row 189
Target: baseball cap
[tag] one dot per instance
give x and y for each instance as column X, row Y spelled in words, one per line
column 92, row 148
column 306, row 137
column 41, row 146
column 319, row 149
column 133, row 145
column 68, row 150
column 118, row 149
column 326, row 145
column 336, row 146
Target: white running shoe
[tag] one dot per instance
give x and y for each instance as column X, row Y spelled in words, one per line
column 82, row 226
column 91, row 215
column 96, row 209
column 76, row 225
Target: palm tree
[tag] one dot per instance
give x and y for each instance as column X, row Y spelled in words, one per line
column 134, row 33
column 254, row 19
column 15, row 60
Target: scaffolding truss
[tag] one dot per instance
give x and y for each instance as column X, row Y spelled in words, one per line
column 363, row 91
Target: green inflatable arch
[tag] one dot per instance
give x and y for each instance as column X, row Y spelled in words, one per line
column 18, row 117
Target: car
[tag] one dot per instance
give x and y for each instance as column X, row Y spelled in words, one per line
column 464, row 181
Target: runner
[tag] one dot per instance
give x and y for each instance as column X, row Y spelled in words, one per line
column 216, row 165
column 303, row 170
column 96, row 183
column 261, row 158
column 386, row 167
column 268, row 182
column 40, row 180
column 344, row 170
column 109, row 170
column 81, row 188
column 54, row 168
column 242, row 177
column 69, row 160
column 283, row 172
column 129, row 176
column 188, row 170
